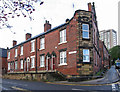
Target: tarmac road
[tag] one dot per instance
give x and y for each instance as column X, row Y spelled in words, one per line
column 8, row 84
column 100, row 85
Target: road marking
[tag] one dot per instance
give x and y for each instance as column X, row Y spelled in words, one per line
column 118, row 72
column 77, row 89
column 79, row 84
column 19, row 88
column 114, row 88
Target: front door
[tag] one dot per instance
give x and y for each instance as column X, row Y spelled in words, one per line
column 49, row 64
column 25, row 67
column 53, row 63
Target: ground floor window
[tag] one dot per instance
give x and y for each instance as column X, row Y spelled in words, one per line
column 8, row 66
column 63, row 58
column 86, row 55
column 32, row 62
column 21, row 63
column 16, row 64
column 42, row 60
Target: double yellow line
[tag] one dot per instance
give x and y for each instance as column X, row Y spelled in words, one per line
column 24, row 90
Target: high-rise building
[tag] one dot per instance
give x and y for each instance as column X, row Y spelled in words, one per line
column 109, row 37
column 119, row 23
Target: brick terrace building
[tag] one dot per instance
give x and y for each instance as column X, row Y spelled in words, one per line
column 105, row 57
column 71, row 48
column 3, row 60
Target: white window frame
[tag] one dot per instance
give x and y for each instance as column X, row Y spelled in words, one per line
column 16, row 52
column 42, row 61
column 16, row 63
column 8, row 66
column 21, row 50
column 86, row 55
column 33, row 46
column 42, row 43
column 32, row 62
column 63, row 56
column 21, row 64
column 9, row 55
column 85, row 31
column 62, row 37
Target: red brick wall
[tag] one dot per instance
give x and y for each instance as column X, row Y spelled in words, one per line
column 3, row 64
column 52, row 44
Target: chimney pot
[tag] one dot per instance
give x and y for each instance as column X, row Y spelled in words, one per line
column 14, row 42
column 47, row 26
column 28, row 36
column 89, row 7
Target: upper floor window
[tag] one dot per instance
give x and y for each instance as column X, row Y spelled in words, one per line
column 63, row 58
column 85, row 29
column 86, row 56
column 33, row 46
column 9, row 55
column 32, row 61
column 42, row 43
column 15, row 52
column 21, row 63
column 21, row 52
column 42, row 60
column 63, row 36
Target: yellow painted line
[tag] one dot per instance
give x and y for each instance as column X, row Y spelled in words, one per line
column 80, row 84
column 20, row 89
column 118, row 72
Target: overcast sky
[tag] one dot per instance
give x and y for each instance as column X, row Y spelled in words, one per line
column 57, row 11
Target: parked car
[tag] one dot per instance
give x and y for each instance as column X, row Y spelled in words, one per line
column 117, row 65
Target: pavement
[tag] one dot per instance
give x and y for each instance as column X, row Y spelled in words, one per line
column 111, row 76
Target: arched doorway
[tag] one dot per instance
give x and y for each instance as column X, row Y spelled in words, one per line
column 53, row 61
column 48, row 61
column 26, row 64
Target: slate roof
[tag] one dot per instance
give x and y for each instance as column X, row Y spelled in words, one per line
column 48, row 31
column 3, row 52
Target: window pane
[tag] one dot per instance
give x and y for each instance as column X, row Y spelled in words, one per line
column 84, row 58
column 85, row 34
column 86, row 55
column 61, row 36
column 85, row 52
column 21, row 64
column 65, row 35
column 16, row 65
column 32, row 62
column 21, row 50
column 85, row 27
column 42, row 42
column 42, row 61
column 61, row 60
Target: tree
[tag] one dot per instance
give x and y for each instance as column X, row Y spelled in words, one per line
column 115, row 53
column 16, row 8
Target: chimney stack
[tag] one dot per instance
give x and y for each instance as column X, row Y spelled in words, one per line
column 28, row 36
column 14, row 42
column 47, row 26
column 89, row 7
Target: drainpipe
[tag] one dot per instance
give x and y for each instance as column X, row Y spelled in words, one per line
column 36, row 55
